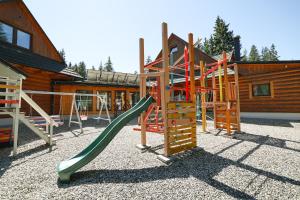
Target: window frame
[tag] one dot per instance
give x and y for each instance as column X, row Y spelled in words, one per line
column 111, row 99
column 271, row 89
column 15, row 36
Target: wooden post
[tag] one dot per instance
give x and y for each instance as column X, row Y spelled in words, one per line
column 237, row 93
column 142, row 92
column 165, row 92
column 228, row 114
column 192, row 68
column 214, row 98
column 203, row 97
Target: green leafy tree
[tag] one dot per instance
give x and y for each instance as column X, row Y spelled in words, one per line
column 100, row 66
column 108, row 65
column 148, row 60
column 254, row 54
column 245, row 55
column 273, row 53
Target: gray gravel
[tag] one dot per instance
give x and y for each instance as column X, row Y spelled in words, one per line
column 261, row 163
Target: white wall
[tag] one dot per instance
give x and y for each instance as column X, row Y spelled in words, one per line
column 268, row 115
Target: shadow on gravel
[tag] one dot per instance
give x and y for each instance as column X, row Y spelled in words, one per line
column 269, row 122
column 265, row 140
column 5, row 159
column 202, row 165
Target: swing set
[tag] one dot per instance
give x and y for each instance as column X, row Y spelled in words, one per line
column 79, row 106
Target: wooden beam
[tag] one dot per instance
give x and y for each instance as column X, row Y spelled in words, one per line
column 165, row 92
column 203, row 98
column 192, row 68
column 142, row 92
column 237, row 93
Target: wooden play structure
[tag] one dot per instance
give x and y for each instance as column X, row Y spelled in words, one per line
column 174, row 112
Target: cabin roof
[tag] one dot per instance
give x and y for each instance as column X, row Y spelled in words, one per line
column 197, row 50
column 16, row 55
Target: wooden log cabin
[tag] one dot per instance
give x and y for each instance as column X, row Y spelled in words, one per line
column 25, row 45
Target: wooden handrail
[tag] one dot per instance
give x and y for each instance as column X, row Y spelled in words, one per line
column 38, row 109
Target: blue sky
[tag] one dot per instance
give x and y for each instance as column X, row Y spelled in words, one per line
column 92, row 30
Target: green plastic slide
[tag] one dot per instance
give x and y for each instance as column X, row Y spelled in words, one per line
column 66, row 168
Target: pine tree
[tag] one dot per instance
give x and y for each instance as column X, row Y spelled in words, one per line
column 273, row 53
column 135, row 72
column 265, row 54
column 108, row 65
column 82, row 69
column 245, row 56
column 70, row 65
column 223, row 39
column 63, row 55
column 254, row 54
column 93, row 67
column 148, row 60
column 207, row 45
column 100, row 66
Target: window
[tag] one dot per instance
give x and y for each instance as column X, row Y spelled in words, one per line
column 106, row 95
column 120, row 101
column 23, row 39
column 14, row 36
column 173, row 51
column 259, row 90
column 84, row 102
column 6, row 33
column 133, row 98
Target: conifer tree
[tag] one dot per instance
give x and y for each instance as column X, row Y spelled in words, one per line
column 273, row 53
column 108, row 65
column 82, row 69
column 254, row 54
column 245, row 56
column 93, row 67
column 100, row 66
column 222, row 37
column 148, row 60
column 63, row 55
column 265, row 54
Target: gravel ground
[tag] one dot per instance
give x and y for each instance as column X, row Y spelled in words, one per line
column 261, row 163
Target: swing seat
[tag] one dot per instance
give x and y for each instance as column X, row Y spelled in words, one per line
column 83, row 117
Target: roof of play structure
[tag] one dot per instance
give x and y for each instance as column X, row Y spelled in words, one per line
column 112, row 78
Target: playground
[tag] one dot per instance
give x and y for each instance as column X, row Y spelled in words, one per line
column 261, row 163
column 176, row 131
